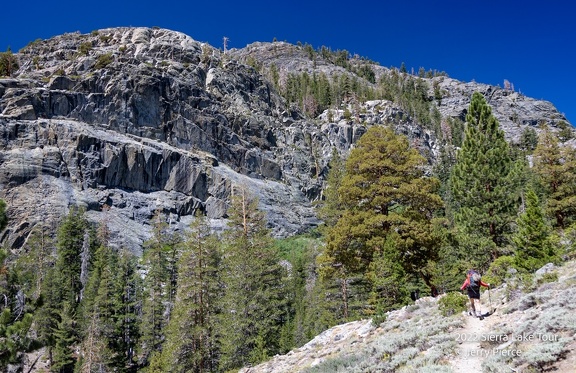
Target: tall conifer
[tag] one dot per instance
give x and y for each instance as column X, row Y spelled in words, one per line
column 484, row 184
column 384, row 192
column 533, row 246
column 158, row 290
column 61, row 290
column 102, row 312
column 252, row 311
column 556, row 169
column 72, row 240
column 191, row 344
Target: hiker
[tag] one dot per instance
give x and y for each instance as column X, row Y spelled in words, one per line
column 472, row 284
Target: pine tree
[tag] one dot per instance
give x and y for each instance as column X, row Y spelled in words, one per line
column 484, row 184
column 15, row 321
column 528, row 140
column 14, row 338
column 46, row 317
column 71, row 242
column 36, row 260
column 556, row 169
column 331, row 207
column 307, row 312
column 252, row 310
column 62, row 289
column 8, row 63
column 100, row 310
column 190, row 344
column 65, row 336
column 386, row 274
column 322, row 303
column 129, row 288
column 533, row 246
column 384, row 191
column 159, row 259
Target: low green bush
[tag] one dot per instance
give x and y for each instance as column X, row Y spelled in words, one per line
column 452, row 303
column 547, row 277
column 104, row 60
column 85, row 48
column 498, row 270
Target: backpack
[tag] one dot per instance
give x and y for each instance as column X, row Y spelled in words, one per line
column 475, row 279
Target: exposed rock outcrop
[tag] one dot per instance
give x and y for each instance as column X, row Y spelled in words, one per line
column 129, row 122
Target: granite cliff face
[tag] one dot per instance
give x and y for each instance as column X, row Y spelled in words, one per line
column 131, row 122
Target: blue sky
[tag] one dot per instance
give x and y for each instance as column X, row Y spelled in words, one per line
column 531, row 44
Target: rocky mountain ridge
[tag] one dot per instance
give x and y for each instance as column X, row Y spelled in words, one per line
column 134, row 122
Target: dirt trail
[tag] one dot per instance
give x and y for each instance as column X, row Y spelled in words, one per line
column 470, row 353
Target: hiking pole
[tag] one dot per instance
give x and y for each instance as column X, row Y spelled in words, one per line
column 490, row 300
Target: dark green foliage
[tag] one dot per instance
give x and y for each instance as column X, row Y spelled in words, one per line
column 8, row 63
column 62, row 288
column 15, row 321
column 159, row 289
column 529, row 140
column 421, row 72
column 566, row 131
column 453, row 260
column 556, row 170
column 302, row 300
column 442, row 170
column 128, row 283
column 275, row 75
column 452, row 303
column 253, row 305
column 403, row 68
column 46, row 317
column 437, row 92
column 533, row 246
column 35, row 261
column 106, row 315
column 388, row 278
column 331, row 207
column 3, row 217
column 65, row 336
column 484, row 185
column 341, row 58
column 385, row 196
column 14, row 337
column 313, row 93
column 74, row 238
column 191, row 343
column 365, row 71
column 313, row 305
column 456, row 128
column 316, row 93
column 309, row 51
column 411, row 94
column 499, row 270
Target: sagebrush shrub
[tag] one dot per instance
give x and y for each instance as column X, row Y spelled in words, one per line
column 452, row 303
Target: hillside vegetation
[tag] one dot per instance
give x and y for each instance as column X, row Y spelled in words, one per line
column 532, row 330
column 170, row 207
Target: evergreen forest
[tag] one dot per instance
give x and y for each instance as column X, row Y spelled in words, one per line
column 208, row 302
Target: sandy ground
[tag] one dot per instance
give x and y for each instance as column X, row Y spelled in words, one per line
column 470, row 353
